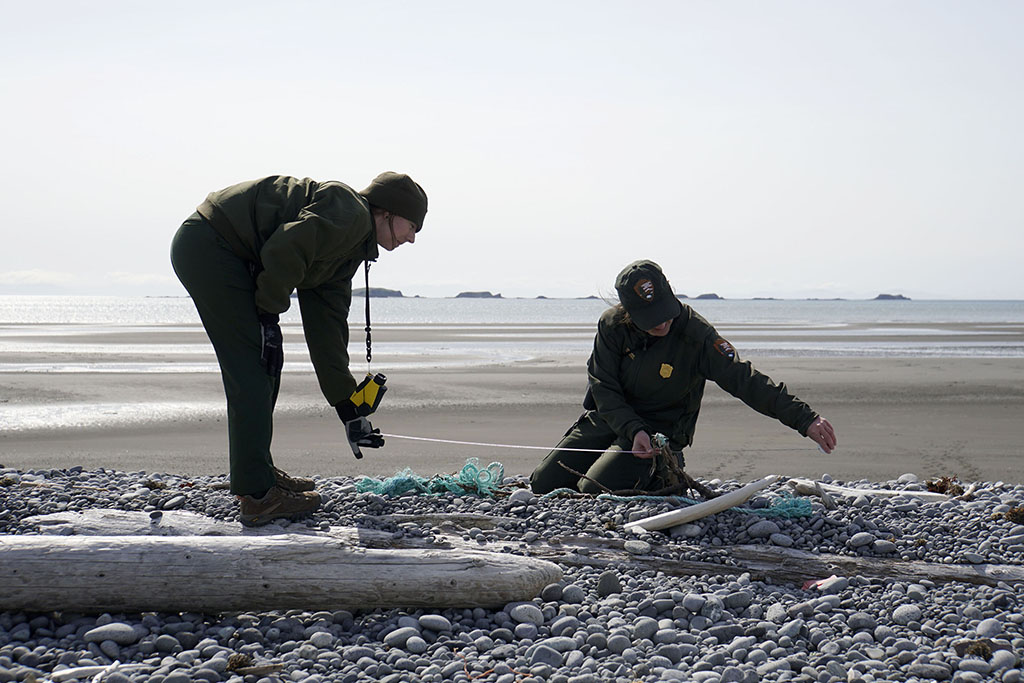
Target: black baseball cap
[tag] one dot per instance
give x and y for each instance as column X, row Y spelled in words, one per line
column 646, row 294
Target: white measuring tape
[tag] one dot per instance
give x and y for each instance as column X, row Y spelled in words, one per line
column 536, row 448
column 500, row 445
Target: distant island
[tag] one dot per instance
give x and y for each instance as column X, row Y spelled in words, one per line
column 378, row 292
column 382, row 292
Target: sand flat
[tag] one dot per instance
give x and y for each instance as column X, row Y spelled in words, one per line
column 931, row 416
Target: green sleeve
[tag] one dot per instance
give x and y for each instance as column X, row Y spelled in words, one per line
column 721, row 363
column 330, row 227
column 603, row 373
column 325, row 324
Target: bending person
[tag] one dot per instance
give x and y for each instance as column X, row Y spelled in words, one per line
column 652, row 356
column 240, row 256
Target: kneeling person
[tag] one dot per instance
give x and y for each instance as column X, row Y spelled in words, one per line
column 652, row 356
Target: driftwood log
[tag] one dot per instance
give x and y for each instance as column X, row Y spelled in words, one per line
column 450, row 553
column 242, row 573
column 717, row 504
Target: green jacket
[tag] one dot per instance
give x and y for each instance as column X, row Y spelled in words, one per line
column 655, row 384
column 300, row 234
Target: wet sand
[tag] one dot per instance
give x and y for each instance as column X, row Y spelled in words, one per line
column 934, row 417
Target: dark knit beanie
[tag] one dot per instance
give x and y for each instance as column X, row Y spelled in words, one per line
column 399, row 194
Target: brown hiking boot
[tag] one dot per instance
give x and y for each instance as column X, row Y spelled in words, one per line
column 279, row 503
column 287, row 481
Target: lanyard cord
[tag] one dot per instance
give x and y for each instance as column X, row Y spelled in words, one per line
column 369, row 345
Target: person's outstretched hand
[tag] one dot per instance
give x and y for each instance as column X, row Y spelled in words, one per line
column 823, row 434
column 642, row 447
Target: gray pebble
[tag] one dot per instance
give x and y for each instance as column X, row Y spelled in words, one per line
column 400, row 636
column 608, row 583
column 776, row 613
column 937, row 672
column 120, row 633
column 763, row 529
column 174, row 503
column 636, row 547
column 618, row 643
column 573, row 594
column 861, row 539
column 860, row 621
column 904, row 614
column 435, row 622
column 545, row 655
column 884, row 547
column 989, row 628
column 527, row 613
column 520, row 496
column 693, row 602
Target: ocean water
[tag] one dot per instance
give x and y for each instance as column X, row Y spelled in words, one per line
column 113, row 335
column 133, row 311
column 130, row 334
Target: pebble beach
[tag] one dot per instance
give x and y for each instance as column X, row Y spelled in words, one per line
column 622, row 622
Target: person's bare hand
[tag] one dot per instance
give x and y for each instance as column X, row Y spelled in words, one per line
column 822, row 433
column 642, row 447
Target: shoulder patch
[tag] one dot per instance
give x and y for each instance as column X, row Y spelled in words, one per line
column 725, row 348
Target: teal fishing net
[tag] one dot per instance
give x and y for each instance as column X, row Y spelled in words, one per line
column 471, row 479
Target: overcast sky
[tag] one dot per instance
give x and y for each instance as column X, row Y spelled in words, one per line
column 761, row 148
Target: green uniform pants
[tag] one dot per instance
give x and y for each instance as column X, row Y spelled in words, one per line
column 612, row 468
column 222, row 287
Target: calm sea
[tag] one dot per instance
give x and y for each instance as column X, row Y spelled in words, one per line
column 483, row 327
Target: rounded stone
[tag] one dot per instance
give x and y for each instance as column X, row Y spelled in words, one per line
column 573, row 594
column 904, row 614
column 861, row 621
column 122, row 634
column 166, row 643
column 989, row 628
column 321, row 639
column 861, row 538
column 618, row 643
column 520, row 496
column 435, row 622
column 644, row 627
column 883, row 547
column 400, row 636
column 545, row 655
column 527, row 613
column 551, row 592
column 763, row 529
column 416, row 645
column 608, row 583
column 635, row 547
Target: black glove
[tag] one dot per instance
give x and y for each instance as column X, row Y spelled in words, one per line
column 358, row 429
column 271, row 344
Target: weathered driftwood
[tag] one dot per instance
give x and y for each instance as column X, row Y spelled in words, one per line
column 806, row 486
column 773, row 564
column 766, row 563
column 688, row 514
column 240, row 573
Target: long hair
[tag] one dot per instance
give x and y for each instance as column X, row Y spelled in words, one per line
column 621, row 315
